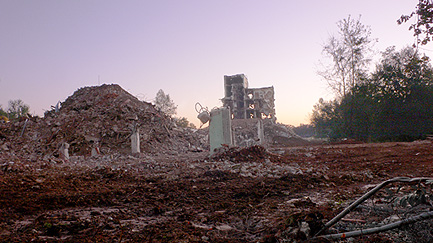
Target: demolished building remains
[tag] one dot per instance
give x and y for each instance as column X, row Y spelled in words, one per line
column 253, row 114
column 245, row 102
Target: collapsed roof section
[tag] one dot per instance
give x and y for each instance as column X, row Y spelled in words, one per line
column 246, row 103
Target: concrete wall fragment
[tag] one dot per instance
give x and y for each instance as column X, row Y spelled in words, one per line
column 234, row 94
column 220, row 128
column 135, row 140
column 64, row 151
column 260, row 132
column 248, row 132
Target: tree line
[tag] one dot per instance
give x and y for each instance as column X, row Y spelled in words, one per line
column 16, row 109
column 394, row 102
column 165, row 104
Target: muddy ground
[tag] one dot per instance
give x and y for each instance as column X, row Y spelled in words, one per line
column 242, row 195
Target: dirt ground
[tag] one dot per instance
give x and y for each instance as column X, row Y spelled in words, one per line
column 278, row 194
column 173, row 191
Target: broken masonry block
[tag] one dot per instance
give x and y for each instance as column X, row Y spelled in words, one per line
column 260, row 132
column 95, row 148
column 135, row 140
column 95, row 151
column 63, row 151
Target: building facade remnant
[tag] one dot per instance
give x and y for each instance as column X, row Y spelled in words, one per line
column 245, row 102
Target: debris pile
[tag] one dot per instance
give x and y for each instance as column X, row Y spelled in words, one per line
column 254, row 153
column 281, row 134
column 254, row 161
column 98, row 118
column 246, row 133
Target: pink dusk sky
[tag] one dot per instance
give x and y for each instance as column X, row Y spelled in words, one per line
column 50, row 48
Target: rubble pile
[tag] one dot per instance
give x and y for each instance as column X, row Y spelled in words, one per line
column 246, row 133
column 254, row 153
column 281, row 134
column 254, row 161
column 99, row 118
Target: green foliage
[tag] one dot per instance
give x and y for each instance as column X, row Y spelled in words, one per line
column 192, row 125
column 17, row 109
column 304, row 130
column 2, row 112
column 395, row 103
column 413, row 199
column 422, row 28
column 420, row 195
column 325, row 118
column 182, row 122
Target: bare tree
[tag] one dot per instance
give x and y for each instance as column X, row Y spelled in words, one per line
column 164, row 103
column 349, row 53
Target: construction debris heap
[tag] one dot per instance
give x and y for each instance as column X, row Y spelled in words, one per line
column 98, row 119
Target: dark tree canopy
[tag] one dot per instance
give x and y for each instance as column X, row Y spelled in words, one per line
column 17, row 109
column 423, row 27
column 395, row 104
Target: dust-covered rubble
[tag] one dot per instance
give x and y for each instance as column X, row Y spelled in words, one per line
column 97, row 117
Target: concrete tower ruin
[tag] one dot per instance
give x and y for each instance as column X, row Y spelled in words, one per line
column 245, row 102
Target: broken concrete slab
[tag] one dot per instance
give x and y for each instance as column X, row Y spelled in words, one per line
column 95, row 152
